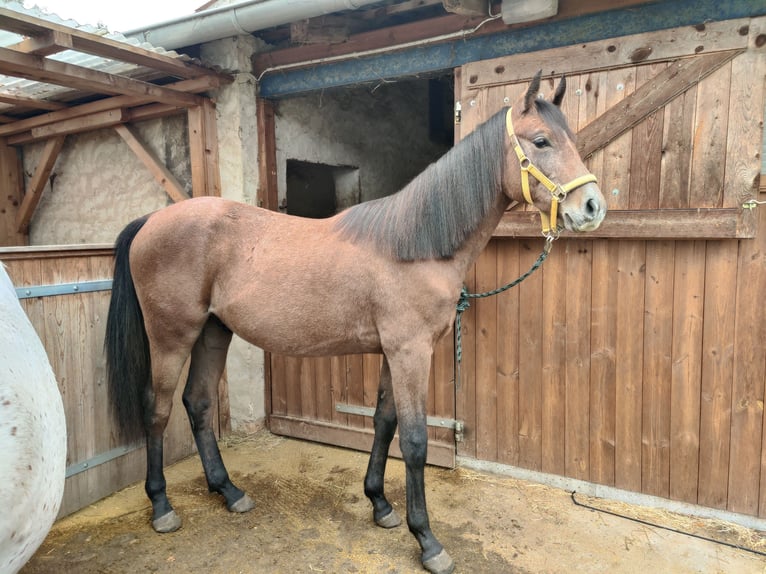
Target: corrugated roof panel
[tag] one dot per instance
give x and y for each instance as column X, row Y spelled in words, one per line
column 39, row 90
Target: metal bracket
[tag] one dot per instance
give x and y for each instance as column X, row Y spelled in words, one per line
column 438, row 422
column 33, row 291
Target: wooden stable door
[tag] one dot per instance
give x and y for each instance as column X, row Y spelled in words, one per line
column 331, row 400
column 634, row 357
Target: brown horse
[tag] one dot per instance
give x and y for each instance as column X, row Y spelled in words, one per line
column 381, row 277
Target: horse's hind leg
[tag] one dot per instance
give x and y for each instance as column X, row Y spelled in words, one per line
column 385, row 427
column 208, row 360
column 166, row 368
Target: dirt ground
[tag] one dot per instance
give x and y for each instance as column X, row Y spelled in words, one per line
column 311, row 516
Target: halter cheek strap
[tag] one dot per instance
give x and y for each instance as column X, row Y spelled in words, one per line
column 558, row 192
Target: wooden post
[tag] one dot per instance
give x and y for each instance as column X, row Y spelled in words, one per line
column 11, row 189
column 203, row 150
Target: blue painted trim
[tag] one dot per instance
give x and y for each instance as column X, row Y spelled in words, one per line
column 427, row 59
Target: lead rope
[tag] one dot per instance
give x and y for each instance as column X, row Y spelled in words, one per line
column 463, row 302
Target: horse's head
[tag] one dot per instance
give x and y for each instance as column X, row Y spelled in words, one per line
column 544, row 167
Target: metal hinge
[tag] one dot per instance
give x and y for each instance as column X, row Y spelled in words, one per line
column 438, row 422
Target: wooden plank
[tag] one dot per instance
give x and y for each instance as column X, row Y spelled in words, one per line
column 746, row 118
column 578, row 325
column 307, row 384
column 486, row 355
column 48, row 43
column 746, row 476
column 749, row 377
column 677, row 143
column 554, row 359
column 685, row 379
column 610, row 54
column 161, row 174
column 710, row 135
column 717, row 372
column 31, row 67
column 90, row 122
column 443, row 367
column 37, row 184
column 647, row 147
column 629, row 364
column 32, row 103
column 11, row 192
column 530, row 359
column 603, row 372
column 353, row 438
column 267, row 155
column 212, row 166
column 657, row 376
column 649, row 98
column 713, row 223
column 196, row 130
column 508, row 353
column 324, row 390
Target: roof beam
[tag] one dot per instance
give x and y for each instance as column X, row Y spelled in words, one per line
column 46, row 44
column 96, row 45
column 195, row 85
column 41, row 69
column 26, row 102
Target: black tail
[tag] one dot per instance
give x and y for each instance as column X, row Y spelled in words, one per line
column 128, row 366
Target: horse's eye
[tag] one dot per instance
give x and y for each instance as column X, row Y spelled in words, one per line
column 541, row 142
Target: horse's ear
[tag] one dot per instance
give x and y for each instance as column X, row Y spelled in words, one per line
column 534, row 89
column 558, row 96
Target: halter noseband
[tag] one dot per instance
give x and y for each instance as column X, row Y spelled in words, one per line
column 558, row 192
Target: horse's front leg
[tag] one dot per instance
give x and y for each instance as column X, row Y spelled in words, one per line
column 385, row 427
column 409, row 373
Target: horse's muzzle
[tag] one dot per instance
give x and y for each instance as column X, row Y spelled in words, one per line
column 583, row 211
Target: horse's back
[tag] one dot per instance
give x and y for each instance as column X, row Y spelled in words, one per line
column 32, row 435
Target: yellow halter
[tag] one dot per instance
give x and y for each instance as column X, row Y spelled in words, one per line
column 558, row 192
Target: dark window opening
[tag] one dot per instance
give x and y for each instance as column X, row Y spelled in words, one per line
column 318, row 190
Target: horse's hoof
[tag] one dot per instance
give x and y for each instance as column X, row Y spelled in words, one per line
column 440, row 564
column 169, row 522
column 244, row 504
column 390, row 520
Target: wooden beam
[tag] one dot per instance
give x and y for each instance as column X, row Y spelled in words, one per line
column 37, row 184
column 420, row 30
column 11, row 191
column 89, row 43
column 83, row 124
column 203, row 151
column 196, row 85
column 161, row 173
column 51, row 42
column 710, row 223
column 650, row 97
column 267, row 156
column 95, row 120
column 26, row 102
column 41, row 69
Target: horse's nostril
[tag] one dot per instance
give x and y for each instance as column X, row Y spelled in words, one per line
column 591, row 207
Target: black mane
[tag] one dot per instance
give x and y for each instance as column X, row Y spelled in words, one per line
column 432, row 216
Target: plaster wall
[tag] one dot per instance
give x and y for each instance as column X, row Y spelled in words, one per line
column 98, row 185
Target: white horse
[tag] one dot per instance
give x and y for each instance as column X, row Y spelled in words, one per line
column 32, row 436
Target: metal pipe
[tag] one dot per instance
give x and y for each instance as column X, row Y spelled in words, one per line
column 241, row 18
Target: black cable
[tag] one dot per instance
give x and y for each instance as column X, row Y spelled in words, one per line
column 644, row 522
